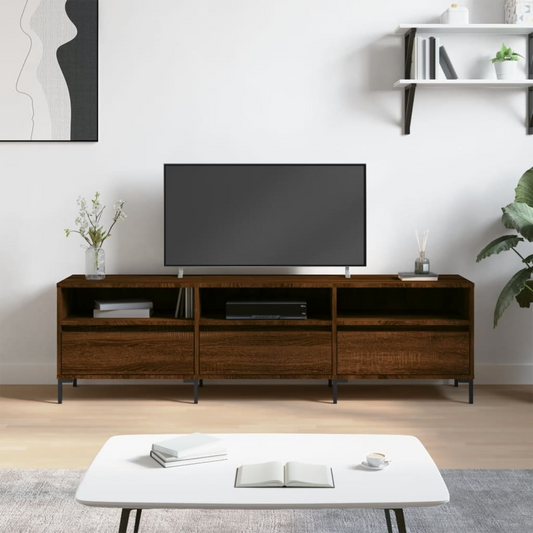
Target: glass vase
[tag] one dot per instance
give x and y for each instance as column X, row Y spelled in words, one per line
column 94, row 263
column 422, row 264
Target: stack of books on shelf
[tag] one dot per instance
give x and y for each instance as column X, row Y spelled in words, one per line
column 428, row 54
column 192, row 449
column 185, row 304
column 123, row 309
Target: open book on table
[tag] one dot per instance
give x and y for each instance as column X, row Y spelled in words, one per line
column 278, row 474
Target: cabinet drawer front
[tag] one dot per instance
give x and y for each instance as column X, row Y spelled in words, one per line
column 133, row 353
column 403, row 353
column 265, row 352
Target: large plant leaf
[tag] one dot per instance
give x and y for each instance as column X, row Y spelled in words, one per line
column 525, row 297
column 513, row 288
column 529, row 259
column 524, row 189
column 519, row 216
column 502, row 244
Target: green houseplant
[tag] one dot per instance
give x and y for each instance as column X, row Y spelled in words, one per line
column 517, row 216
column 505, row 63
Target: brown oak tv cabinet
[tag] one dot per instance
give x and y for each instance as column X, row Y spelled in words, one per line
column 364, row 327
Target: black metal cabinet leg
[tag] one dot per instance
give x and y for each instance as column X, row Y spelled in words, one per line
column 455, row 383
column 137, row 520
column 334, row 385
column 330, row 383
column 196, row 390
column 124, row 518
column 59, row 391
column 74, row 382
column 471, row 391
column 400, row 520
column 201, row 383
column 389, row 523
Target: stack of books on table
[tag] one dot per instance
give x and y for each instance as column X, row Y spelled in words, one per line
column 123, row 309
column 192, row 449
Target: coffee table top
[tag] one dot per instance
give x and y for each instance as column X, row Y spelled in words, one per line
column 124, row 475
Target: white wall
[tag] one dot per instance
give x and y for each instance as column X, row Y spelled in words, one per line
column 272, row 81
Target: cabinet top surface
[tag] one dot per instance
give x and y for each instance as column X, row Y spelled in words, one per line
column 166, row 281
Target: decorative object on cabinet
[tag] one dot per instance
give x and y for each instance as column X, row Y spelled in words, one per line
column 517, row 216
column 50, row 89
column 93, row 233
column 409, row 85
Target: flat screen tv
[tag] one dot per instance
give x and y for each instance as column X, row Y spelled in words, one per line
column 265, row 215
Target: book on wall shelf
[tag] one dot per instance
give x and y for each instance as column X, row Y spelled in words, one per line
column 426, row 59
column 279, row 474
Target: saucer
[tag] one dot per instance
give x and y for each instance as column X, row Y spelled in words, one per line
column 385, row 464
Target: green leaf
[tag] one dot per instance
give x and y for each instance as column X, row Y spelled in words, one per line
column 519, row 216
column 504, row 49
column 529, row 259
column 524, row 189
column 502, row 244
column 513, row 288
column 525, row 298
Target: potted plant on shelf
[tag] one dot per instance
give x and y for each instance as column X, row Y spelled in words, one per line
column 519, row 217
column 94, row 234
column 505, row 63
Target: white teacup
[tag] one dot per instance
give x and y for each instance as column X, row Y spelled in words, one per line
column 375, row 459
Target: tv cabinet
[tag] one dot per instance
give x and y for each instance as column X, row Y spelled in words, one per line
column 365, row 327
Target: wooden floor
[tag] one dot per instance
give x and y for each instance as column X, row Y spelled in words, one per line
column 495, row 432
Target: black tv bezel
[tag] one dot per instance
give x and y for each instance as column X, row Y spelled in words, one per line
column 360, row 165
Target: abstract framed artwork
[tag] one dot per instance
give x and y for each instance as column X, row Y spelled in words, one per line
column 49, row 70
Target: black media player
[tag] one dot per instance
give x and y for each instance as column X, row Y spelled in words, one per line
column 283, row 310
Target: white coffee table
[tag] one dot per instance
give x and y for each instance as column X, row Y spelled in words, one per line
column 124, row 476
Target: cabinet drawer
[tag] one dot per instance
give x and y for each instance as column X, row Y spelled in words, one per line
column 264, row 353
column 403, row 353
column 133, row 353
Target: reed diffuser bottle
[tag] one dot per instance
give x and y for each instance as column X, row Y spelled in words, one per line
column 422, row 262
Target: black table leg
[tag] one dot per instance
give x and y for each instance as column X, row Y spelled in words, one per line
column 455, row 383
column 74, row 382
column 137, row 520
column 400, row 520
column 124, row 517
column 330, row 384
column 59, row 391
column 389, row 523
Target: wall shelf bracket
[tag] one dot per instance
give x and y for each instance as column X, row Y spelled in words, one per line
column 409, row 100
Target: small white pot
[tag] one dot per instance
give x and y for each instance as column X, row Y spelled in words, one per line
column 506, row 70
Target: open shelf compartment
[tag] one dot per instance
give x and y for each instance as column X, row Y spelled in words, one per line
column 402, row 307
column 213, row 305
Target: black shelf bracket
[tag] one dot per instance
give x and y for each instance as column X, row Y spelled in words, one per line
column 408, row 103
column 409, row 92
column 530, row 89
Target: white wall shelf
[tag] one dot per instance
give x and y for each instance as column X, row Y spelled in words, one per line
column 409, row 85
column 504, row 29
column 489, row 84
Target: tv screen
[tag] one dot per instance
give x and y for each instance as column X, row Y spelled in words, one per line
column 265, row 215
